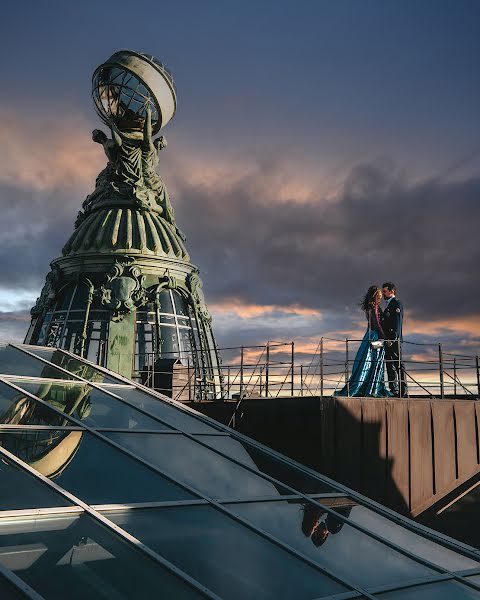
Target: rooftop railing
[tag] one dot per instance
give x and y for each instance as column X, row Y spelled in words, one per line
column 281, row 369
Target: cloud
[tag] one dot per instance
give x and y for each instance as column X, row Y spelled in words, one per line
column 14, row 325
column 323, row 255
column 47, row 153
column 235, row 307
column 280, row 255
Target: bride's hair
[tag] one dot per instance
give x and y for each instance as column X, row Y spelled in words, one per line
column 368, row 301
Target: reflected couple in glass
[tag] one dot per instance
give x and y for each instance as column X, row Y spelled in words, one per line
column 318, row 525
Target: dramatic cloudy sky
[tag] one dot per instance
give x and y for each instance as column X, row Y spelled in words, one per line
column 319, row 147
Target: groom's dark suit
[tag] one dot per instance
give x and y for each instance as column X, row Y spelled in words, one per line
column 392, row 326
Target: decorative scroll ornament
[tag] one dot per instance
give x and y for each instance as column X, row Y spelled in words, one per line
column 124, row 290
column 194, row 284
column 47, row 295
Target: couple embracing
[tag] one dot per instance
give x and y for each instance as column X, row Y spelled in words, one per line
column 381, row 344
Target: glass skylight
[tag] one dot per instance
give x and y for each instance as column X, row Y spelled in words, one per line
column 111, row 490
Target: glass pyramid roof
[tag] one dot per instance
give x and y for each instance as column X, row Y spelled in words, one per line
column 109, row 490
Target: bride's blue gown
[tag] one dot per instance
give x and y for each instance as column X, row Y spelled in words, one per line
column 368, row 372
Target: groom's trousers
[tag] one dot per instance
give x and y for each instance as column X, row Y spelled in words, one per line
column 397, row 380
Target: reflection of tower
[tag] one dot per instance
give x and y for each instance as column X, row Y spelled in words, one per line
column 124, row 293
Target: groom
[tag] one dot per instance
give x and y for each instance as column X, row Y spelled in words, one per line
column 392, row 326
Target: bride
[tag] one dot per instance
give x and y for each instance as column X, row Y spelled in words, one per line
column 368, row 373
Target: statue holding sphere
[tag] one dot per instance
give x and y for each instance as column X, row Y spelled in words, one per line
column 134, row 114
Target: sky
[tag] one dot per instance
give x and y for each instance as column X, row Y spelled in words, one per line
column 319, row 147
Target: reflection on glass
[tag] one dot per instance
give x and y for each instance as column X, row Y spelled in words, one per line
column 230, row 559
column 90, row 405
column 175, row 417
column 331, row 542
column 166, row 305
column 419, row 545
column 8, row 592
column 90, row 468
column 76, row 558
column 18, row 409
column 285, row 473
column 15, row 362
column 443, row 590
column 167, row 319
column 72, row 365
column 197, row 466
column 20, row 490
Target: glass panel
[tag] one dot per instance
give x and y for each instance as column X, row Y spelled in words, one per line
column 416, row 543
column 184, row 459
column 64, row 297
column 90, row 405
column 15, row 362
column 90, row 468
column 18, row 409
column 175, row 417
column 332, row 543
column 443, row 590
column 72, row 365
column 168, row 342
column 230, row 559
column 9, row 592
column 20, row 490
column 166, row 302
column 72, row 334
column 76, row 558
column 167, row 319
column 267, row 464
column 43, row 331
column 180, row 304
column 81, row 296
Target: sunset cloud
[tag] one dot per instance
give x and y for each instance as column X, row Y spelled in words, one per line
column 281, row 256
column 246, row 311
column 49, row 153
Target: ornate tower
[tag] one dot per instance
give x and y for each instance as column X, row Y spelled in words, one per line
column 124, row 294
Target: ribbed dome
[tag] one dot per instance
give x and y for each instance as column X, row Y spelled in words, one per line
column 126, row 230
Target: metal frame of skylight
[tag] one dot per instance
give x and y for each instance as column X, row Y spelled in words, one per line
column 309, row 498
column 376, row 507
column 194, row 491
column 389, row 514
column 133, row 541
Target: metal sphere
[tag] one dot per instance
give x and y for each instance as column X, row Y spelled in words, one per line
column 129, row 82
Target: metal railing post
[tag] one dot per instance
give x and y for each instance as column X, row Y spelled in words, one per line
column 477, row 364
column 267, row 369
column 228, row 382
column 440, row 364
column 241, row 373
column 321, row 367
column 455, row 376
column 347, row 377
column 292, row 383
column 301, row 379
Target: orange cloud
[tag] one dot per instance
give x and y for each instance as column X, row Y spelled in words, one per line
column 48, row 153
column 58, row 150
column 469, row 325
column 248, row 311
